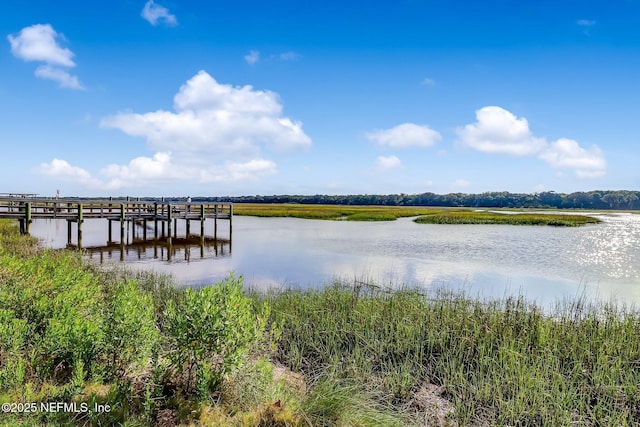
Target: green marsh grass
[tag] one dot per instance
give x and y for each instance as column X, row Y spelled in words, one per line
column 425, row 215
column 499, row 362
column 483, row 217
column 330, row 212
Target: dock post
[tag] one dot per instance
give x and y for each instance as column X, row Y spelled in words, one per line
column 215, row 222
column 110, row 228
column 155, row 220
column 122, row 217
column 230, row 219
column 144, row 229
column 175, row 228
column 27, row 222
column 68, row 232
column 80, row 220
column 188, row 228
column 169, row 234
column 202, row 222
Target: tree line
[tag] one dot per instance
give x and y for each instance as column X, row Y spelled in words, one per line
column 607, row 199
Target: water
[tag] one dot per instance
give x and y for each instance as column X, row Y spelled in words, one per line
column 543, row 263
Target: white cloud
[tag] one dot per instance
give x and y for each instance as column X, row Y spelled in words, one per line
column 388, row 163
column 62, row 170
column 143, row 171
column 252, row 57
column 216, row 134
column 567, row 154
column 405, row 135
column 154, row 13
column 216, row 119
column 428, row 82
column 40, row 43
column 498, row 131
column 237, row 172
column 63, row 77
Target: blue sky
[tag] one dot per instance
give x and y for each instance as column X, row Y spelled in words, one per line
column 211, row 98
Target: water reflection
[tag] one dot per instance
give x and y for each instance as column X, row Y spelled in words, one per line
column 174, row 250
column 543, row 263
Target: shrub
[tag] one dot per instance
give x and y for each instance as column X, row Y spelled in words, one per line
column 130, row 334
column 210, row 330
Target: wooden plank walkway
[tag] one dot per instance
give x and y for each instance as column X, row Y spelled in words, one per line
column 28, row 209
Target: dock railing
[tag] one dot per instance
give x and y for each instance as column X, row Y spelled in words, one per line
column 28, row 209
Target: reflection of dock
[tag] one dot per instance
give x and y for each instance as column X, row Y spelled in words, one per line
column 193, row 247
column 159, row 217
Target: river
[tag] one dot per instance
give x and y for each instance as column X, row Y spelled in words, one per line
column 544, row 264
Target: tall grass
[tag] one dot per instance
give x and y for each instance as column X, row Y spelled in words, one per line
column 499, row 362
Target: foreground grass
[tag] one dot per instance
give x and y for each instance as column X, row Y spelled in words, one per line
column 498, row 362
column 341, row 356
column 483, row 217
column 79, row 336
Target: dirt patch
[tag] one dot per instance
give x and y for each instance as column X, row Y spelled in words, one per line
column 438, row 411
column 290, row 378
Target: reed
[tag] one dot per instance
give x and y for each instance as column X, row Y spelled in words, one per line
column 499, row 362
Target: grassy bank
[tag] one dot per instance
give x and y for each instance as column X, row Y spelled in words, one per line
column 390, row 213
column 483, row 217
column 330, row 212
column 483, row 363
column 352, row 355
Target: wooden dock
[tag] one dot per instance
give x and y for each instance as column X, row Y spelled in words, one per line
column 121, row 210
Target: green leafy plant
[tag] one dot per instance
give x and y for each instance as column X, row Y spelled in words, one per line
column 131, row 335
column 210, row 329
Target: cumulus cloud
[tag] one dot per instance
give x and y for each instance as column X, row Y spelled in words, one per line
column 388, row 163
column 62, row 170
column 405, row 135
column 216, row 134
column 40, row 43
column 498, row 131
column 217, row 118
column 143, row 171
column 155, row 14
column 567, row 154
